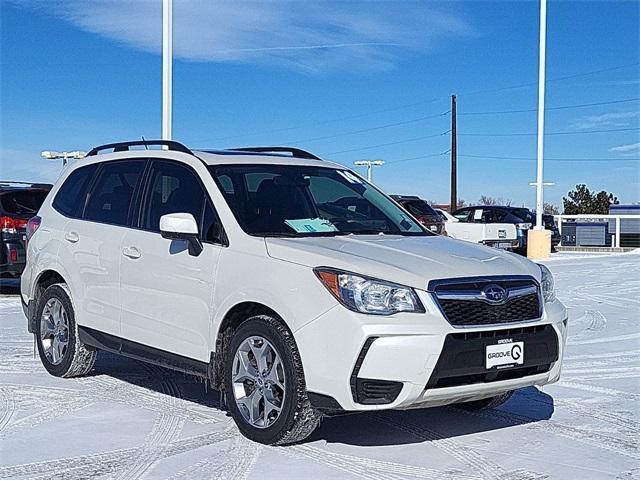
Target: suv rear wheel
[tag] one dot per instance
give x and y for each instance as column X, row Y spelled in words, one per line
column 61, row 352
column 264, row 384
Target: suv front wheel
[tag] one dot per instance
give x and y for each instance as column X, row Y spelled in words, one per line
column 61, row 352
column 264, row 384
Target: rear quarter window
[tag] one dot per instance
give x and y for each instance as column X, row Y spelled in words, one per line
column 71, row 196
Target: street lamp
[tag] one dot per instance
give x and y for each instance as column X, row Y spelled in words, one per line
column 369, row 164
column 65, row 156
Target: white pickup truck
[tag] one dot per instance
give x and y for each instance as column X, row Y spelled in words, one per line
column 499, row 235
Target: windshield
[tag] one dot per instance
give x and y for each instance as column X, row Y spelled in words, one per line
column 419, row 208
column 22, row 202
column 294, row 201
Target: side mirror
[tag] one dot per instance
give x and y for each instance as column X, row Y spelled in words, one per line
column 181, row 226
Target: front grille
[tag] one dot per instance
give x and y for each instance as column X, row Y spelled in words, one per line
column 462, row 360
column 464, row 304
column 490, row 377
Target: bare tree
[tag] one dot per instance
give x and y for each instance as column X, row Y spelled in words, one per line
column 551, row 209
column 486, row 200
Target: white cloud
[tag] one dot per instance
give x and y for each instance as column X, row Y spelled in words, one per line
column 607, row 120
column 631, row 149
column 309, row 36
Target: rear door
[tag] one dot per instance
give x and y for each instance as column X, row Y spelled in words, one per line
column 94, row 243
column 166, row 292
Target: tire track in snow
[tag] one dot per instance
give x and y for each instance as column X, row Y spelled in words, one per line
column 588, row 436
column 464, row 454
column 373, row 469
column 106, row 463
column 7, row 407
column 166, row 428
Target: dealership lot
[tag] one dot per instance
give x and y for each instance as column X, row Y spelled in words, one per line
column 131, row 420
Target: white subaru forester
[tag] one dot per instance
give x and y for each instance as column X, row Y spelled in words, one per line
column 290, row 283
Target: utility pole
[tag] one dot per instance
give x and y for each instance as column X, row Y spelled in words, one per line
column 167, row 67
column 454, row 157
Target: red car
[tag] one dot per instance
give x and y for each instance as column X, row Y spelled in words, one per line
column 422, row 211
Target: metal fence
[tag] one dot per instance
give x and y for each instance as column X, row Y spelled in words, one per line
column 616, row 224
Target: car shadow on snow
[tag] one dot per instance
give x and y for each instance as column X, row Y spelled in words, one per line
column 380, row 428
column 399, row 427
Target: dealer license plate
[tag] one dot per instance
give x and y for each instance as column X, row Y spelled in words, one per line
column 504, row 354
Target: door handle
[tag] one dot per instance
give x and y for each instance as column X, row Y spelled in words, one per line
column 131, row 252
column 71, row 237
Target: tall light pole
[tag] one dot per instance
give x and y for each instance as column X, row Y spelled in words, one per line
column 539, row 239
column 369, row 164
column 167, row 67
column 541, row 85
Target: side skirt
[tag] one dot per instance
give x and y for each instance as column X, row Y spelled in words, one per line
column 138, row 351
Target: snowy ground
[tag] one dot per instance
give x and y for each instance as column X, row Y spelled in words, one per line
column 130, row 420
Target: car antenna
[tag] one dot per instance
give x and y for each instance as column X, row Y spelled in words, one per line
column 145, row 145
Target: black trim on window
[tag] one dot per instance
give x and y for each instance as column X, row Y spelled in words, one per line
column 142, row 201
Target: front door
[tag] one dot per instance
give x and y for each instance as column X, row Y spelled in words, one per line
column 166, row 292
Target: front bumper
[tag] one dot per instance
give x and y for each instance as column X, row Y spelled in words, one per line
column 341, row 350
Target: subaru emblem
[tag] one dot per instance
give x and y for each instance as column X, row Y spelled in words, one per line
column 494, row 293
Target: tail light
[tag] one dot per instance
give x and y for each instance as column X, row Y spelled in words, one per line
column 32, row 225
column 523, row 226
column 11, row 225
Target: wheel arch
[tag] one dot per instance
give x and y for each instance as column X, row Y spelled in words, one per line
column 233, row 318
column 45, row 279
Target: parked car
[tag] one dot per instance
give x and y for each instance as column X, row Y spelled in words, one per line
column 422, row 211
column 19, row 201
column 289, row 283
column 497, row 235
column 523, row 218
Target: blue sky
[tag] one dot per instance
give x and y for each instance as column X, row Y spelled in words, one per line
column 347, row 80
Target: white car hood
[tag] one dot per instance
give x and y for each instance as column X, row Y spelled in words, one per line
column 411, row 261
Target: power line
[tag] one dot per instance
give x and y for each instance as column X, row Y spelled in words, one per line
column 422, row 102
column 387, row 144
column 370, row 129
column 494, row 157
column 334, row 120
column 557, row 79
column 563, row 107
column 393, row 162
column 549, row 134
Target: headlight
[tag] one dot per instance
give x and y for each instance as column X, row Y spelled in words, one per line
column 547, row 284
column 368, row 295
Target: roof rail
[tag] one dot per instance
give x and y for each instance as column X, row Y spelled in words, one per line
column 124, row 146
column 28, row 184
column 296, row 152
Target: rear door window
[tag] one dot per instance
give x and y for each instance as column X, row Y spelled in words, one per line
column 112, row 193
column 72, row 195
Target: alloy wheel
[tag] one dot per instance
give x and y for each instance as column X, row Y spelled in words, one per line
column 258, row 382
column 54, row 331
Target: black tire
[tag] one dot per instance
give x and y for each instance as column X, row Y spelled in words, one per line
column 77, row 359
column 485, row 403
column 297, row 419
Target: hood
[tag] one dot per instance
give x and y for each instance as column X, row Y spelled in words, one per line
column 411, row 261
